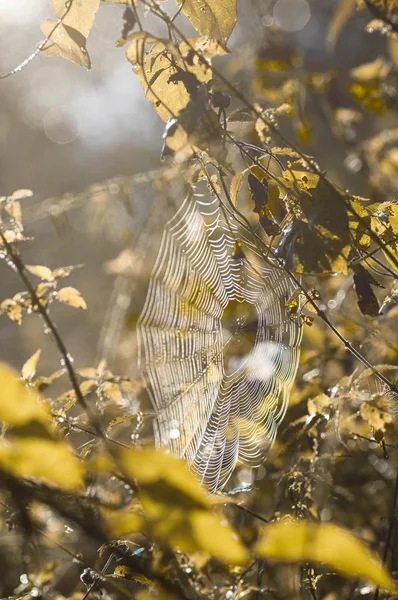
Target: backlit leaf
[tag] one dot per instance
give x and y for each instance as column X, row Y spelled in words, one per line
column 40, row 271
column 29, row 368
column 343, row 12
column 71, row 296
column 78, row 14
column 301, row 541
column 167, row 72
column 213, row 18
column 177, row 508
column 66, row 42
column 13, row 309
column 49, row 460
column 18, row 404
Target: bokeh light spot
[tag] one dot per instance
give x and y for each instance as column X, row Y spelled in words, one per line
column 292, row 15
column 60, row 125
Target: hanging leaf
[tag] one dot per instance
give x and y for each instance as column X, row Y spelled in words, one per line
column 71, row 296
column 78, row 14
column 319, row 240
column 166, row 72
column 258, row 191
column 235, row 187
column 66, row 42
column 212, row 18
column 302, row 541
column 366, row 299
column 29, row 368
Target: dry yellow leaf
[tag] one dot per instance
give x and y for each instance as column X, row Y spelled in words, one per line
column 29, row 368
column 49, row 460
column 213, row 18
column 79, row 14
column 66, row 42
column 18, row 404
column 303, row 541
column 40, row 271
column 71, row 296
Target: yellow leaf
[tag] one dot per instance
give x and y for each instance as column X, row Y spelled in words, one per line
column 393, row 49
column 123, row 521
column 40, row 271
column 213, row 18
column 66, row 42
column 176, row 507
column 377, row 69
column 302, row 541
column 49, row 460
column 217, row 538
column 78, row 14
column 15, row 212
column 151, row 466
column 13, row 310
column 155, row 68
column 340, row 17
column 21, row 194
column 119, row 420
column 29, row 368
column 113, row 391
column 18, row 404
column 71, row 296
column 235, row 187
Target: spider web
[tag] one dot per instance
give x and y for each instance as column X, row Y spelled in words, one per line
column 211, row 415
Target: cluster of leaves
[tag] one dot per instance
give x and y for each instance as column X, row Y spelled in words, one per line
column 162, row 534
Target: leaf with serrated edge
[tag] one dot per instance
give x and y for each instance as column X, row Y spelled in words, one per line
column 71, row 296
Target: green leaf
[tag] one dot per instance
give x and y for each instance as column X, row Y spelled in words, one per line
column 213, row 18
column 302, row 541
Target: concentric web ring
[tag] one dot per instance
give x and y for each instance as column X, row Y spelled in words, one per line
column 212, row 415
